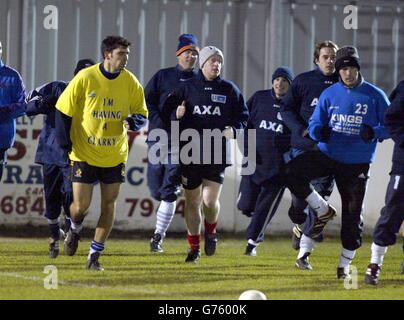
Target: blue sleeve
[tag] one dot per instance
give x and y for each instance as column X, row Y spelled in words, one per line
column 382, row 104
column 20, row 109
column 17, row 107
column 172, row 101
column 250, row 103
column 290, row 109
column 240, row 111
column 319, row 119
column 152, row 97
column 250, row 106
column 394, row 121
column 63, row 125
column 13, row 110
column 136, row 121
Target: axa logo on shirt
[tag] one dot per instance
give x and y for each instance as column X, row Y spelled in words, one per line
column 207, row 110
column 314, row 102
column 272, row 126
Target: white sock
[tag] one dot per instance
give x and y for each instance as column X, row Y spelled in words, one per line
column 307, row 244
column 378, row 253
column 317, row 203
column 53, row 221
column 346, row 258
column 76, row 227
column 165, row 214
column 252, row 242
column 95, row 247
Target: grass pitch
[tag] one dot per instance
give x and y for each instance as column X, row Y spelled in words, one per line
column 132, row 272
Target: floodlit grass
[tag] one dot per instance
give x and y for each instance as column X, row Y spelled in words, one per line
column 132, row 272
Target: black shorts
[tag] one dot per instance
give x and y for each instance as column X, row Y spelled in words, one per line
column 82, row 172
column 192, row 175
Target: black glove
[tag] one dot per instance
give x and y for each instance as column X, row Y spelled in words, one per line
column 325, row 133
column 366, row 133
column 302, row 143
column 248, row 214
column 50, row 101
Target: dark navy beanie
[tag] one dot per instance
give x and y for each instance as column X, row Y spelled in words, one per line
column 187, row 42
column 347, row 57
column 283, row 72
column 82, row 64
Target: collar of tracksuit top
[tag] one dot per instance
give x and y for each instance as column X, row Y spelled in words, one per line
column 200, row 76
column 1, row 63
column 360, row 82
column 277, row 100
column 182, row 72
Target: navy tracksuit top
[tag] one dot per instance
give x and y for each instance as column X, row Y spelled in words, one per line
column 157, row 90
column 209, row 105
column 394, row 123
column 49, row 150
column 300, row 101
column 272, row 136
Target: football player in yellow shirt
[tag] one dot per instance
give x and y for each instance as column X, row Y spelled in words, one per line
column 96, row 109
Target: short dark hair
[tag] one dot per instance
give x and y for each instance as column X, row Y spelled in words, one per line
column 321, row 45
column 112, row 42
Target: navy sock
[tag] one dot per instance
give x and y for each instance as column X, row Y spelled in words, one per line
column 54, row 231
column 67, row 224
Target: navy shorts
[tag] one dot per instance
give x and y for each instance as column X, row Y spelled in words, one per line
column 164, row 181
column 192, row 175
column 3, row 157
column 82, row 172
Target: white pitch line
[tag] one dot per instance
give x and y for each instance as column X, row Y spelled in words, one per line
column 80, row 285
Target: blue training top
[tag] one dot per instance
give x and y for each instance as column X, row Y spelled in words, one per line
column 12, row 104
column 345, row 110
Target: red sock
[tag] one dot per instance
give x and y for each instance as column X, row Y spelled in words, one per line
column 194, row 241
column 210, row 227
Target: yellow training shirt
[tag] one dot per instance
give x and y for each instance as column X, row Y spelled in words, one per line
column 98, row 106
